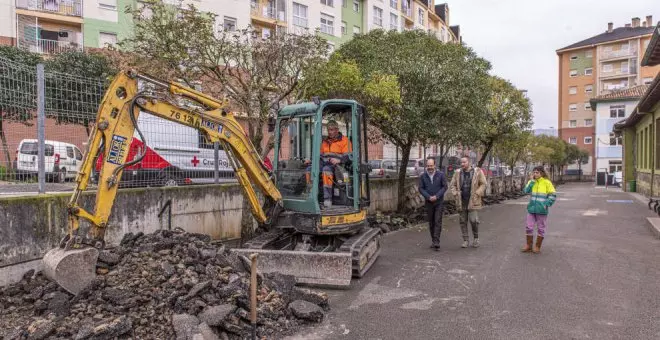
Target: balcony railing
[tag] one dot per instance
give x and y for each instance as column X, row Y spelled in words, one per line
column 619, row 72
column 407, row 11
column 268, row 10
column 64, row 7
column 624, row 53
column 45, row 46
column 614, row 151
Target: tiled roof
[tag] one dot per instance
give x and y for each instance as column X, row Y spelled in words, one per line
column 617, row 34
column 440, row 11
column 457, row 31
column 632, row 92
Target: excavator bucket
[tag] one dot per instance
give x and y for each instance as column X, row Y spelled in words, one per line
column 309, row 268
column 72, row 269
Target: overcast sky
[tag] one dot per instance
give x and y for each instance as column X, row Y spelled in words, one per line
column 520, row 37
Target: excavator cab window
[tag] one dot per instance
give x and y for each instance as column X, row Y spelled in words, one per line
column 296, row 146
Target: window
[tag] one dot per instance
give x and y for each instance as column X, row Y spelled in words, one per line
column 657, row 143
column 394, row 4
column 356, row 30
column 615, row 140
column 589, row 89
column 394, row 22
column 420, row 16
column 330, row 3
column 572, row 123
column 107, row 39
column 587, row 105
column 378, row 16
column 615, row 166
column 572, row 90
column 229, row 24
column 587, row 140
column 624, row 67
column 588, row 122
column 343, row 28
column 617, row 111
column 625, row 46
column 608, row 68
column 299, row 15
column 574, row 56
column 572, row 107
column 647, row 80
column 327, row 24
column 69, row 152
column 79, row 155
column 108, row 4
column 573, row 73
column 589, row 54
column 356, row 6
column 572, row 140
column 588, row 71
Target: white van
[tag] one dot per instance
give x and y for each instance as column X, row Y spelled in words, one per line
column 62, row 160
column 175, row 155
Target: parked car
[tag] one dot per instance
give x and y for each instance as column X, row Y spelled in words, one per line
column 62, row 160
column 382, row 168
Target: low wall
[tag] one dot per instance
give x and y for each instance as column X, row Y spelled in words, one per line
column 33, row 225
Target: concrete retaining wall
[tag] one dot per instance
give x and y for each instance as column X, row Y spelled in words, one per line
column 30, row 226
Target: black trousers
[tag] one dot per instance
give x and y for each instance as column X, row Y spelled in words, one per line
column 434, row 216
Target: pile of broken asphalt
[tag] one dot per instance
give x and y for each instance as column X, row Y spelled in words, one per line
column 165, row 285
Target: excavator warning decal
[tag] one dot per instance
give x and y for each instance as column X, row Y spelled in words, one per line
column 117, row 150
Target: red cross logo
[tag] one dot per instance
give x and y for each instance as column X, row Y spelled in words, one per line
column 195, row 161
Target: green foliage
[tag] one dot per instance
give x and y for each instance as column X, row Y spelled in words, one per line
column 514, row 148
column 548, row 150
column 256, row 75
column 508, row 113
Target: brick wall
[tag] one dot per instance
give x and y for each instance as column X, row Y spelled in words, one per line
column 7, row 41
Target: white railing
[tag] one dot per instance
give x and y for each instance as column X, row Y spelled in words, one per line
column 624, row 53
column 64, row 7
column 629, row 72
column 45, row 46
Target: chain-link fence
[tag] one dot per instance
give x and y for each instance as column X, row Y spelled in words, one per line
column 55, row 111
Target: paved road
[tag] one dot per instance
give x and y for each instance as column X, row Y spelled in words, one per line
column 598, row 277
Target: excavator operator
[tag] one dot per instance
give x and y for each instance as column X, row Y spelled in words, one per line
column 335, row 150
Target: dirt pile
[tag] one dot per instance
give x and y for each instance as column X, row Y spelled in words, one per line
column 165, row 285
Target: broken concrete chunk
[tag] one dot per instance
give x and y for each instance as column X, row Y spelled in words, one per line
column 40, row 329
column 306, row 310
column 215, row 315
column 185, row 326
column 206, row 332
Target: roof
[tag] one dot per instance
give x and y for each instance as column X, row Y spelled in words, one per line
column 457, row 31
column 617, row 34
column 441, row 11
column 652, row 55
column 649, row 100
column 310, row 108
column 634, row 92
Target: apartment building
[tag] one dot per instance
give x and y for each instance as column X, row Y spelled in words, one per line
column 596, row 66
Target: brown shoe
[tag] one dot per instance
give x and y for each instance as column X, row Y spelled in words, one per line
column 537, row 247
column 528, row 246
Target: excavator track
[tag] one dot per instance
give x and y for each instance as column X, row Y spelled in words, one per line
column 364, row 248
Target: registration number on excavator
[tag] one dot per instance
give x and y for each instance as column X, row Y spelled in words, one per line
column 185, row 118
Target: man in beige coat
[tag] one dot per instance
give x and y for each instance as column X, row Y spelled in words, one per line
column 468, row 186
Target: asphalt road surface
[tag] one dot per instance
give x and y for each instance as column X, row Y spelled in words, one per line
column 597, row 277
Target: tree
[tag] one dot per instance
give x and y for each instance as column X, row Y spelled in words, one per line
column 75, row 85
column 256, row 75
column 508, row 112
column 436, row 82
column 18, row 98
column 548, row 150
column 514, row 148
column 575, row 155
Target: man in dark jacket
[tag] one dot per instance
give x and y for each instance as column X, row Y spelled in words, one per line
column 432, row 185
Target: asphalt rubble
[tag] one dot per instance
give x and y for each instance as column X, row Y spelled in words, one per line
column 165, row 285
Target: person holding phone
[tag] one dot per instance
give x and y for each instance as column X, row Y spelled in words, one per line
column 542, row 197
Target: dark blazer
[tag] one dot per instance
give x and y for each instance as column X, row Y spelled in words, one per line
column 437, row 188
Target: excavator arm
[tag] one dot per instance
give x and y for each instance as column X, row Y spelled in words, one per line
column 116, row 124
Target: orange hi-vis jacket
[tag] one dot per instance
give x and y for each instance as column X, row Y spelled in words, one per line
column 340, row 145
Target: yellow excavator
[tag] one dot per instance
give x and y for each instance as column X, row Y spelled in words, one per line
column 319, row 244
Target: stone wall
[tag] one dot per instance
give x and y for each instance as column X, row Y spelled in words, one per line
column 643, row 183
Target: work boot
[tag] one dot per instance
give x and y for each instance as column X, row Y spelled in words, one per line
column 537, row 247
column 475, row 243
column 528, row 246
column 465, row 244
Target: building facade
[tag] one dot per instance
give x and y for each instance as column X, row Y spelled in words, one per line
column 641, row 132
column 598, row 66
column 610, row 109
